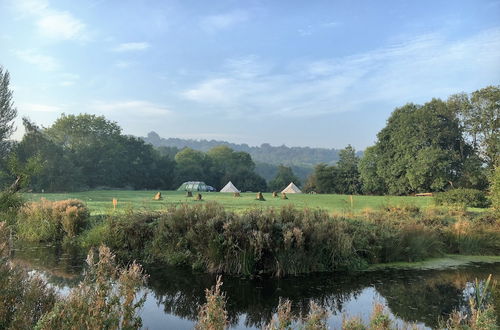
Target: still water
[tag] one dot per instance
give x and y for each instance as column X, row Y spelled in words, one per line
column 174, row 295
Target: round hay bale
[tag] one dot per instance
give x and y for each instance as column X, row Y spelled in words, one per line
column 236, row 194
column 198, row 197
column 189, row 194
column 157, row 197
column 283, row 196
column 275, row 194
column 260, row 197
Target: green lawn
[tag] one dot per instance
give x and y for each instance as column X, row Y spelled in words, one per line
column 100, row 201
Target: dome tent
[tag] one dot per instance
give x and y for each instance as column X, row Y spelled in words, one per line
column 291, row 189
column 229, row 187
column 195, row 186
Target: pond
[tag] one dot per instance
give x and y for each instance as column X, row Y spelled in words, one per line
column 174, row 295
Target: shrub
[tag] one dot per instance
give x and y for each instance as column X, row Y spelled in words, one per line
column 51, row 221
column 10, row 203
column 213, row 314
column 23, row 298
column 107, row 298
column 462, row 196
column 129, row 234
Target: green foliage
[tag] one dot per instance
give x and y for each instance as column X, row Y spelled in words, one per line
column 52, row 221
column 481, row 120
column 291, row 241
column 462, row 196
column 107, row 298
column 435, row 146
column 283, row 178
column 128, row 234
column 23, row 298
column 495, row 189
column 10, row 203
column 7, row 112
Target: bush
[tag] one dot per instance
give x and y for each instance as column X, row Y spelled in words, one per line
column 52, row 221
column 462, row 196
column 107, row 298
column 10, row 203
column 23, row 298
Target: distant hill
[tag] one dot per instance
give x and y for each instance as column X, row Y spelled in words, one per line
column 266, row 157
column 266, row 153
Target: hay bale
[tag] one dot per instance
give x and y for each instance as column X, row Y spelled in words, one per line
column 157, row 196
column 115, row 203
column 189, row 194
column 275, row 194
column 283, row 196
column 259, row 197
column 198, row 197
column 236, row 194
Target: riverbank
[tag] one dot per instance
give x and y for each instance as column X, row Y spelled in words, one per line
column 265, row 241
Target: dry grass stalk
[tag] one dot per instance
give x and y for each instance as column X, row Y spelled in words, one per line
column 213, row 314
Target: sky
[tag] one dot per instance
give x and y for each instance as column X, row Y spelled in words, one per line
column 299, row 73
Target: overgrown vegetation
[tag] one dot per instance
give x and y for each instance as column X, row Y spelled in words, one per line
column 462, row 197
column 285, row 241
column 107, row 298
column 52, row 221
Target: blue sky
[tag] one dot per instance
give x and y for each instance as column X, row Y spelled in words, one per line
column 300, row 73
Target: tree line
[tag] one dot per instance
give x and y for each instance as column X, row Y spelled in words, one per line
column 437, row 146
column 423, row 148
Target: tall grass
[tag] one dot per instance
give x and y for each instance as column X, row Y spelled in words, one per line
column 52, row 221
column 286, row 241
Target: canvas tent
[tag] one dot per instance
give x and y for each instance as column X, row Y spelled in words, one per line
column 229, row 188
column 195, row 186
column 292, row 189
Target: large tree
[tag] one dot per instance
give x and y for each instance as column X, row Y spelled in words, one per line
column 480, row 114
column 7, row 112
column 349, row 181
column 420, row 149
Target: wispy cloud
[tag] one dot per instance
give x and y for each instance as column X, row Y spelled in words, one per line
column 219, row 22
column 52, row 23
column 134, row 107
column 425, row 66
column 131, row 46
column 43, row 62
column 312, row 28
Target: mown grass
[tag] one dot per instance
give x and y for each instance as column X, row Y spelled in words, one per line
column 100, row 201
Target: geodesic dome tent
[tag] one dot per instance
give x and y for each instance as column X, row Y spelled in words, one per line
column 195, row 186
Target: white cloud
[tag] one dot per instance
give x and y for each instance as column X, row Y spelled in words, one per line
column 60, row 26
column 52, row 23
column 130, row 107
column 43, row 62
column 411, row 71
column 132, row 46
column 33, row 107
column 215, row 23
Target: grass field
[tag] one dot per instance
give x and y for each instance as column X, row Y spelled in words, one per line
column 100, row 201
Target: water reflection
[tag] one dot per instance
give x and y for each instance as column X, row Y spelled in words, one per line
column 174, row 294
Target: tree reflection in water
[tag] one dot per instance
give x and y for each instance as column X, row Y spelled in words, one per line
column 412, row 296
